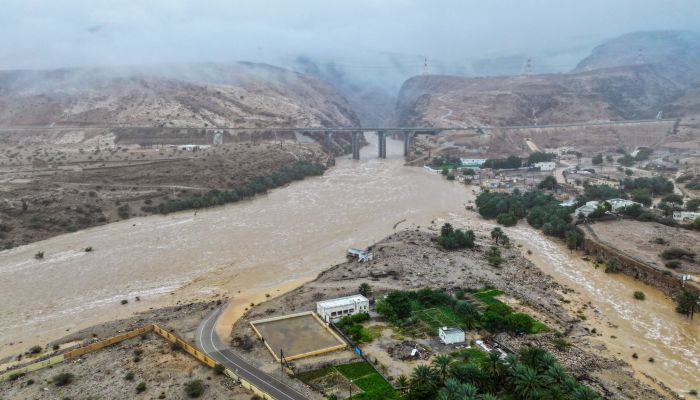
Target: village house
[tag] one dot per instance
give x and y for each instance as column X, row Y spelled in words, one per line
column 451, row 335
column 335, row 309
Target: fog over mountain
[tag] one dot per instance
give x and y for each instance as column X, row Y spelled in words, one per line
column 366, row 49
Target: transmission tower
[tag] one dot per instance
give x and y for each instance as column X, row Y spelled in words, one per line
column 640, row 57
column 425, row 66
column 527, row 68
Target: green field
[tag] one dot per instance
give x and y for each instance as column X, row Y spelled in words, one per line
column 373, row 386
column 438, row 316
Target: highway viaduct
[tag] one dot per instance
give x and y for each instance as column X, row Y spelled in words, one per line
column 407, row 132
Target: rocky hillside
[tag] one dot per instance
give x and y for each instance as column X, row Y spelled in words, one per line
column 644, row 47
column 197, row 96
column 596, row 91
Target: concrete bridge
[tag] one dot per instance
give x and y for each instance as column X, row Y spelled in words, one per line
column 407, row 132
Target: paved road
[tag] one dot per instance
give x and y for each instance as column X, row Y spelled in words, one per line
column 424, row 129
column 210, row 343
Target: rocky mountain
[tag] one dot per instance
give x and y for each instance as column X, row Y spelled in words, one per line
column 680, row 48
column 199, row 95
column 608, row 85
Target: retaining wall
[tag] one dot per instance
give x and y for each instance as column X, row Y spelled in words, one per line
column 664, row 280
column 164, row 333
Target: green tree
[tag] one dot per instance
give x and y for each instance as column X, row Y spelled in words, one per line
column 687, row 303
column 496, row 234
column 194, row 388
column 494, row 256
column 673, row 198
column 549, row 183
column 526, row 383
column 441, row 365
column 365, row 289
column 597, row 159
column 692, row 205
column 507, row 219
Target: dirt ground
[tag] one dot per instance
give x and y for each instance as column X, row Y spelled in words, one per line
column 101, row 374
column 66, row 184
column 411, row 260
column 641, row 239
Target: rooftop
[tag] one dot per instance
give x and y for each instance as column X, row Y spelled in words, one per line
column 343, row 301
column 451, row 329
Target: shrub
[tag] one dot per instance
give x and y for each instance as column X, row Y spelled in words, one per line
column 518, row 323
column 141, row 387
column 63, row 379
column 175, row 346
column 35, row 350
column 677, row 253
column 673, row 264
column 507, row 219
column 194, row 388
column 639, row 295
column 125, row 301
column 612, row 267
column 219, row 369
column 88, row 249
column 129, row 376
column 39, row 255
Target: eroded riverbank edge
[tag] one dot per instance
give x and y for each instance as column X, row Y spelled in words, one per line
column 411, row 260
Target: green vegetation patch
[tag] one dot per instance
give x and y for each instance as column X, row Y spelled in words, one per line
column 373, row 385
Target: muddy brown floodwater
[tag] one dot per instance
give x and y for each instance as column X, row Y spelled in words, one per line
column 650, row 328
column 267, row 245
column 277, row 242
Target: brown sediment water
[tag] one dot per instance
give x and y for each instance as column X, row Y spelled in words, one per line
column 244, row 250
column 651, row 328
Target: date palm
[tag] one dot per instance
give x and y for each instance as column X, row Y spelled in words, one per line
column 496, row 234
column 441, row 364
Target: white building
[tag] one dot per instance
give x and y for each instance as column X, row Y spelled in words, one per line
column 620, row 203
column 586, row 209
column 545, row 165
column 451, row 335
column 472, row 162
column 335, row 309
column 685, row 216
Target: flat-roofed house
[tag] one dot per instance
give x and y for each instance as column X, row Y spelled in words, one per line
column 335, row 309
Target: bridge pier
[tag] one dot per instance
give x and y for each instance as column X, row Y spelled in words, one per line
column 407, row 136
column 328, row 140
column 355, row 145
column 381, row 135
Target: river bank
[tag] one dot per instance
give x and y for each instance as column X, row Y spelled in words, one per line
column 411, row 260
column 244, row 250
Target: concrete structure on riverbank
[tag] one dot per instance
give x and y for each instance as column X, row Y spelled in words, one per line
column 335, row 309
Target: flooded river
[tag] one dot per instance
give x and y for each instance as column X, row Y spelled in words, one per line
column 278, row 240
column 287, row 237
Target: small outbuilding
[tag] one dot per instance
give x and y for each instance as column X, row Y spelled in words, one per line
column 451, row 335
column 335, row 309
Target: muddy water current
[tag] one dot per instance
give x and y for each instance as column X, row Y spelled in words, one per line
column 288, row 236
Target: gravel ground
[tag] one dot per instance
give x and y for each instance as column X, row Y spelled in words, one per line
column 412, row 260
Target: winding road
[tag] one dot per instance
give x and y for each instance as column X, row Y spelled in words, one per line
column 210, row 344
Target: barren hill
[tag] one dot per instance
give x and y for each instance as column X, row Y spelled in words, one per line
column 200, row 95
column 595, row 91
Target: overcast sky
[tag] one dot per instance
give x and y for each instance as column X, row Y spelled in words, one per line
column 47, row 34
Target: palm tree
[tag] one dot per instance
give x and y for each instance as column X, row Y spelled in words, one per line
column 365, row 289
column 496, row 233
column 423, row 375
column 453, row 390
column 527, row 385
column 441, row 363
column 584, row 393
column 688, row 303
column 494, row 367
column 402, row 381
column 536, row 358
